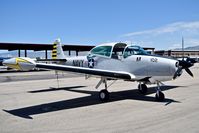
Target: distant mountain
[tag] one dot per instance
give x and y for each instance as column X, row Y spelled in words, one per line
column 189, row 48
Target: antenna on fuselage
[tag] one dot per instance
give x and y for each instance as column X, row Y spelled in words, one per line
column 182, row 48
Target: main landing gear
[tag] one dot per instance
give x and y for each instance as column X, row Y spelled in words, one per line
column 103, row 94
column 159, row 96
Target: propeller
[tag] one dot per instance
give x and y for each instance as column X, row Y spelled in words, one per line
column 191, row 60
column 184, row 64
column 189, row 72
column 178, row 72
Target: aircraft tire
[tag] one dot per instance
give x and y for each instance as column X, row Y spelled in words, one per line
column 142, row 88
column 104, row 95
column 159, row 96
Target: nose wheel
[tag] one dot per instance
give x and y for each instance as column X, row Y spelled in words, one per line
column 159, row 96
column 142, row 88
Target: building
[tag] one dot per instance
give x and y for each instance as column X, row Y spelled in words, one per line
column 178, row 53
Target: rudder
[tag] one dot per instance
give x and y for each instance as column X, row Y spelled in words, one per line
column 57, row 52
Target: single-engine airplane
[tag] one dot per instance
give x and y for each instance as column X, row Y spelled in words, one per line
column 113, row 61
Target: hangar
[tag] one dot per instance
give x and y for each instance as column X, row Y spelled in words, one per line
column 42, row 47
column 46, row 47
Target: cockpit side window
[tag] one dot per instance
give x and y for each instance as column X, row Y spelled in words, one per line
column 134, row 50
column 118, row 50
column 102, row 50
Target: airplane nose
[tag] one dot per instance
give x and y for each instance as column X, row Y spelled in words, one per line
column 8, row 62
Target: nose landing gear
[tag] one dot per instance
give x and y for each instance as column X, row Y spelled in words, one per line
column 142, row 88
column 159, row 96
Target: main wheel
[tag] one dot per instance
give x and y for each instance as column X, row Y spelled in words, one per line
column 104, row 95
column 142, row 88
column 159, row 96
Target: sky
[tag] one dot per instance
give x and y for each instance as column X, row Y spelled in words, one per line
column 148, row 23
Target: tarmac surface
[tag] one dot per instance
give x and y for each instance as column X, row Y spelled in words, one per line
column 33, row 102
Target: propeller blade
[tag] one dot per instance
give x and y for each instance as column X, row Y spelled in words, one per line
column 191, row 60
column 189, row 72
column 177, row 73
column 185, row 64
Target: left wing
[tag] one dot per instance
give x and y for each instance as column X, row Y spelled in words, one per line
column 91, row 71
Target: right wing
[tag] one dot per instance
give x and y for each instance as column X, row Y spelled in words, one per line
column 26, row 64
column 91, row 71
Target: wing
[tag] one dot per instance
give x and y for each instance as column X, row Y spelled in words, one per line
column 97, row 72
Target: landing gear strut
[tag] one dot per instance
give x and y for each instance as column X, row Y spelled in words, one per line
column 103, row 94
column 159, row 95
column 142, row 88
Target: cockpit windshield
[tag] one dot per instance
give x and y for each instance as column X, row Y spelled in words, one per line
column 102, row 50
column 134, row 50
column 117, row 50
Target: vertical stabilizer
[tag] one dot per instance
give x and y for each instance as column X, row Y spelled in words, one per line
column 57, row 52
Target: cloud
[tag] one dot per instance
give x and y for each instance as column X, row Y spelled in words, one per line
column 170, row 28
column 192, row 42
column 187, row 43
column 175, row 45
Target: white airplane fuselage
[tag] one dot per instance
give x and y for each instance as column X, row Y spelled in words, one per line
column 160, row 68
column 120, row 57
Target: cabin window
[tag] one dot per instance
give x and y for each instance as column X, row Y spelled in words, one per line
column 102, row 50
column 134, row 50
column 118, row 50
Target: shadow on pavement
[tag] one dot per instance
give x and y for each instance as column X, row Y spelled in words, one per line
column 90, row 100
